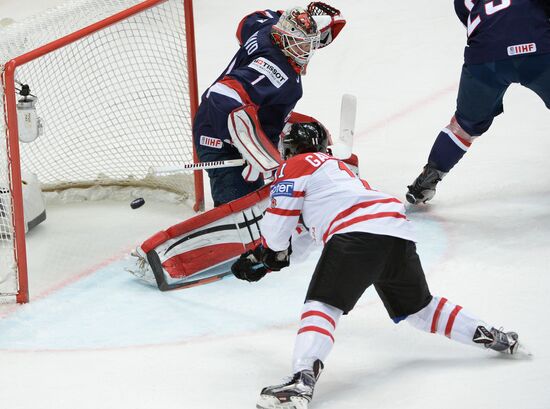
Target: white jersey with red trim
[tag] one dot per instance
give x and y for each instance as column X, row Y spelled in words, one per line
column 321, row 192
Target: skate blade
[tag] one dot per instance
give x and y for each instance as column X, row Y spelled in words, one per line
column 411, row 199
column 271, row 402
column 522, row 352
column 143, row 277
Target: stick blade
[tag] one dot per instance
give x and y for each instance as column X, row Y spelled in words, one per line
column 342, row 148
column 347, row 119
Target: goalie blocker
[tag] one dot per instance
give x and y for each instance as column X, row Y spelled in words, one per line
column 253, row 144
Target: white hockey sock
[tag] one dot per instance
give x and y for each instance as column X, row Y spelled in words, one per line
column 443, row 317
column 316, row 334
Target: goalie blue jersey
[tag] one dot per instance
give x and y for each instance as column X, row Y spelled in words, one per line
column 501, row 29
column 258, row 74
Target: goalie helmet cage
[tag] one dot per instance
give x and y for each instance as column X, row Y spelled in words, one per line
column 117, row 89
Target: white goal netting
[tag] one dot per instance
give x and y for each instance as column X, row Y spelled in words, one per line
column 115, row 104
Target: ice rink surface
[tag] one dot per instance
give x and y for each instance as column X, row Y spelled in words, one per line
column 93, row 337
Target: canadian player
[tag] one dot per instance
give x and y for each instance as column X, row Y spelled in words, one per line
column 260, row 87
column 508, row 42
column 367, row 240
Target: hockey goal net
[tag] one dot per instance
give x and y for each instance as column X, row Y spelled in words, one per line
column 115, row 83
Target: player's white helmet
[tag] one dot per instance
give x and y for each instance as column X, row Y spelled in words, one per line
column 297, row 35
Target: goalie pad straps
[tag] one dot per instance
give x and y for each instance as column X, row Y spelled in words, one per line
column 248, row 137
column 329, row 21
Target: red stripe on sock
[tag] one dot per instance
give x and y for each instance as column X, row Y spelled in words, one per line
column 316, row 329
column 437, row 313
column 451, row 321
column 319, row 314
column 464, row 141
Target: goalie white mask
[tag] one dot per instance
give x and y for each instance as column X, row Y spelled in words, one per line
column 297, row 35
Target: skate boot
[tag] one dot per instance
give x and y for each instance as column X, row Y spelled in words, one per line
column 140, row 267
column 423, row 188
column 500, row 341
column 295, row 393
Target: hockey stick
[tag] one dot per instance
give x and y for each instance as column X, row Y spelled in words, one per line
column 341, row 149
column 188, row 167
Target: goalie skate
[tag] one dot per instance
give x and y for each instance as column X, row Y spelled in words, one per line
column 294, row 393
column 141, row 268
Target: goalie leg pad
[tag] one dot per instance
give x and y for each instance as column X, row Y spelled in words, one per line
column 205, row 246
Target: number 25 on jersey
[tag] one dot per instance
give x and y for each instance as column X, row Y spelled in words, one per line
column 491, row 7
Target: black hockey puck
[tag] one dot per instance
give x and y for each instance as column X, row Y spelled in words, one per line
column 137, row 203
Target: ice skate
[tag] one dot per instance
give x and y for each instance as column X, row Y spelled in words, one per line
column 423, row 188
column 295, row 393
column 141, row 268
column 500, row 341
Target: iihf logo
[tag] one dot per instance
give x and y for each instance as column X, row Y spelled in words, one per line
column 522, row 49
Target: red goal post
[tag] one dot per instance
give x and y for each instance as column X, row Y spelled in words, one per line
column 146, row 50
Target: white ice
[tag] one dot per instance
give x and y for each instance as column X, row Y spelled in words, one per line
column 93, row 337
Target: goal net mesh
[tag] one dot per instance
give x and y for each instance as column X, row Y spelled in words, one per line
column 115, row 104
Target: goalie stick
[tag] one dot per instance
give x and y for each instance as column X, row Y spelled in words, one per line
column 217, row 164
column 342, row 149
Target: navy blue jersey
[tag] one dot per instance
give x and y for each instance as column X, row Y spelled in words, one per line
column 500, row 29
column 260, row 74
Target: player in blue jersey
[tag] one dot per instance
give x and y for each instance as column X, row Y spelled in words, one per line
column 508, row 42
column 263, row 83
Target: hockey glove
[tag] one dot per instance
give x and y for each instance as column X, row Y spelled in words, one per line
column 249, row 267
column 255, row 264
column 250, row 173
column 329, row 21
column 276, row 260
column 252, row 143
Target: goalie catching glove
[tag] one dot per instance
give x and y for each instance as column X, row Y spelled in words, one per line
column 329, row 21
column 255, row 264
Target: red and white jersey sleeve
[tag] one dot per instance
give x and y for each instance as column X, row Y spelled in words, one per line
column 330, row 199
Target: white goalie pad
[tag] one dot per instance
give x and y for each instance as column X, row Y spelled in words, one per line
column 202, row 249
column 249, row 138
